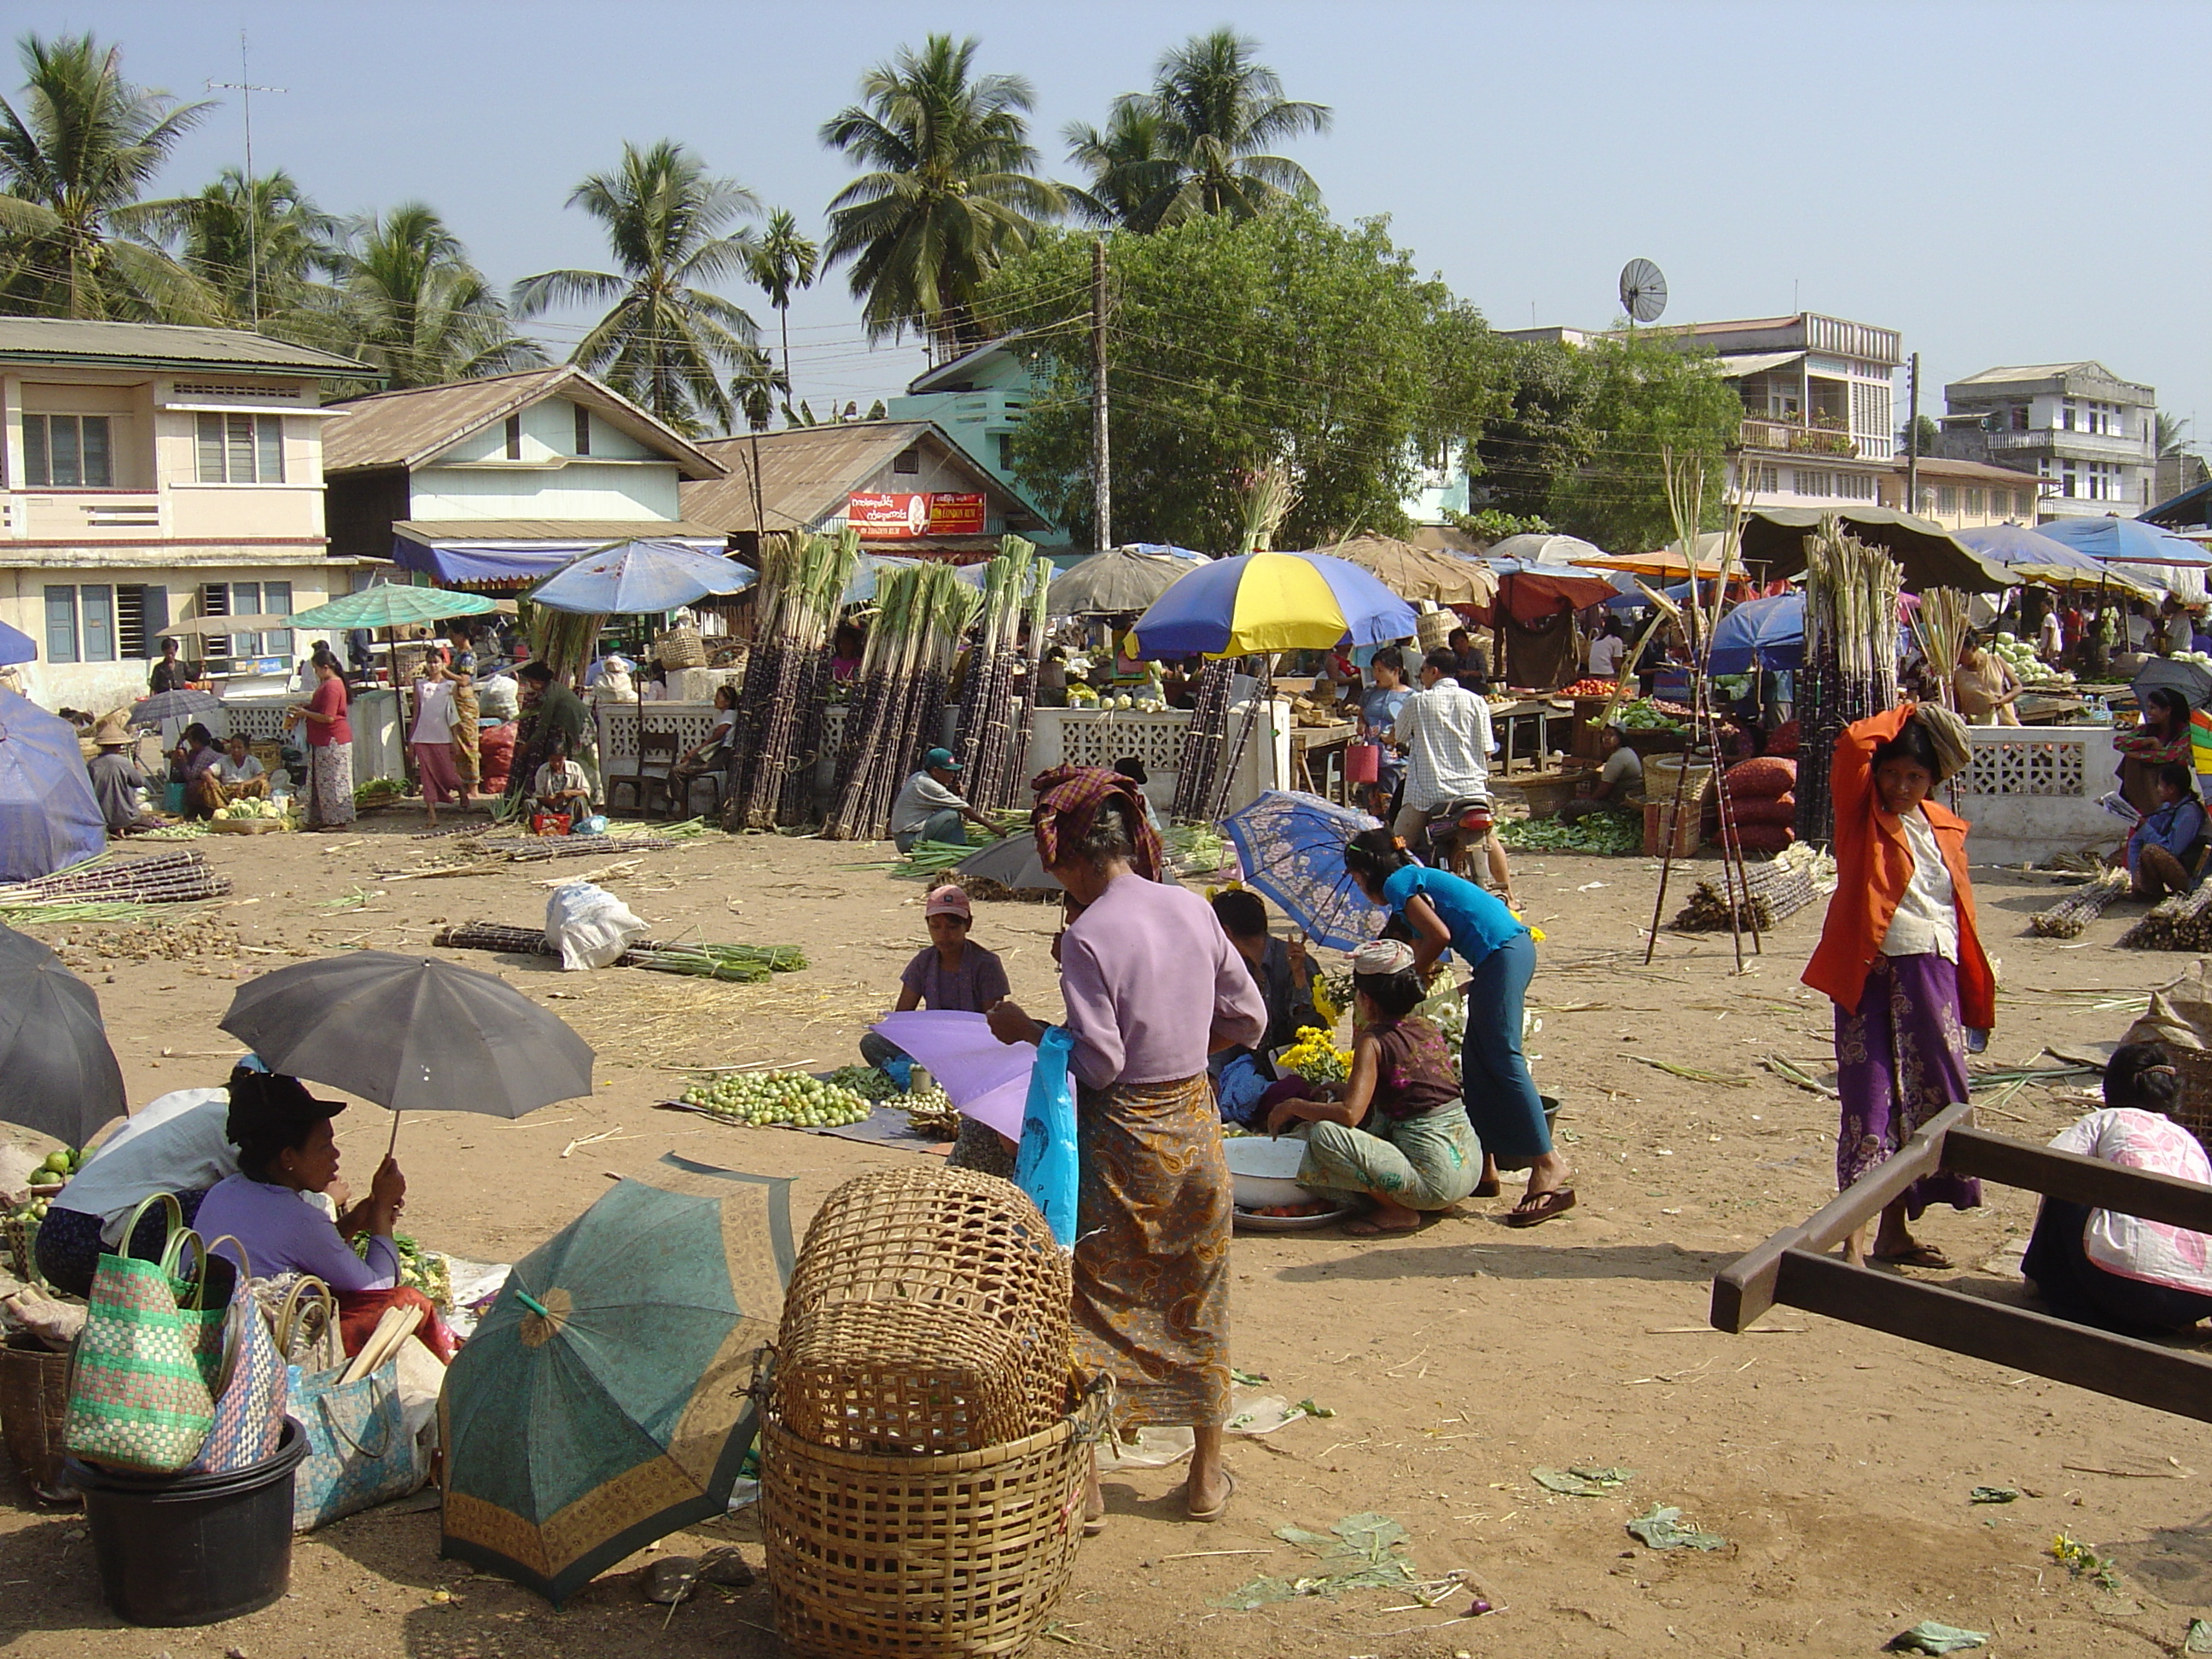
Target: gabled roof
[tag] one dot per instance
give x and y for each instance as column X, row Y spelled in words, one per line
column 163, row 345
column 961, row 368
column 807, row 471
column 413, row 428
column 2027, row 374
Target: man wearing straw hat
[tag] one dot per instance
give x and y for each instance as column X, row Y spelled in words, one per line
column 116, row 779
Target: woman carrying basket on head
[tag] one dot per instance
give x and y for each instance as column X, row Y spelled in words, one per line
column 1900, row 956
column 1152, row 987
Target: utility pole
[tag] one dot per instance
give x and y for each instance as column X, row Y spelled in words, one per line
column 245, row 88
column 1100, row 455
column 1912, row 435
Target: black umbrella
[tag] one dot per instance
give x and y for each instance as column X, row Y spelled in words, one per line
column 1013, row 863
column 58, row 1074
column 174, row 705
column 412, row 1031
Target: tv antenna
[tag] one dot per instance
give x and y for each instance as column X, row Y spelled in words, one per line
column 245, row 88
column 1642, row 291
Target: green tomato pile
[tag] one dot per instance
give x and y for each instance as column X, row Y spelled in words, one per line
column 770, row 1098
column 58, row 1166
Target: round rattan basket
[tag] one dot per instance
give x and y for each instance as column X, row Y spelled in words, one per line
column 681, row 647
column 964, row 1553
column 927, row 1314
column 33, row 1405
column 1435, row 630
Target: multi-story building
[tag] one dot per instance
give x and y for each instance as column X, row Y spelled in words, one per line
column 1964, row 495
column 2090, row 435
column 155, row 475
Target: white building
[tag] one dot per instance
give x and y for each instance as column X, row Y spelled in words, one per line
column 2091, row 435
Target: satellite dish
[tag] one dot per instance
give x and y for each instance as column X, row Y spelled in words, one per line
column 1642, row 291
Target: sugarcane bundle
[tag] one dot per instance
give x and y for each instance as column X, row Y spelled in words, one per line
column 1850, row 658
column 884, row 660
column 2183, row 922
column 923, row 610
column 1018, row 752
column 802, row 578
column 2067, row 918
column 1202, row 743
column 993, row 702
column 1940, row 626
column 748, row 962
column 1773, row 892
column 539, row 848
column 178, row 878
column 564, row 640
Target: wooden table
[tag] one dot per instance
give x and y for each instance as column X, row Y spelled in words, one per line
column 1512, row 720
column 1308, row 741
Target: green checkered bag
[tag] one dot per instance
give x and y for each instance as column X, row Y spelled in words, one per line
column 141, row 1383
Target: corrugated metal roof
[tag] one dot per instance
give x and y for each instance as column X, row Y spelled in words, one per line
column 807, row 471
column 412, row 427
column 430, row 530
column 165, row 344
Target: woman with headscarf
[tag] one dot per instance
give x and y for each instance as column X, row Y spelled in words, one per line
column 2161, row 738
column 1152, row 987
column 1900, row 956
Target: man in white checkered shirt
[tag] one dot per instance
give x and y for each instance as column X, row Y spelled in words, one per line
column 1444, row 730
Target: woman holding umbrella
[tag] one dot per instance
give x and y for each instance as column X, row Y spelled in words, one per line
column 330, row 749
column 1151, row 987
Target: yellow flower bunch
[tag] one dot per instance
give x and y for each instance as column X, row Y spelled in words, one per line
column 1316, row 1058
column 1332, row 995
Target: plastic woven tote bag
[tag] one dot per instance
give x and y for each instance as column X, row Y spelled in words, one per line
column 251, row 1387
column 141, row 1394
column 359, row 1451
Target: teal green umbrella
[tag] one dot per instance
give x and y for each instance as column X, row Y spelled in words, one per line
column 601, row 1404
column 392, row 605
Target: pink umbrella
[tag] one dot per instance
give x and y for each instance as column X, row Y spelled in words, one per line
column 988, row 1080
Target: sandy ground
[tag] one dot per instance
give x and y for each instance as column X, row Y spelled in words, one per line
column 1835, row 1462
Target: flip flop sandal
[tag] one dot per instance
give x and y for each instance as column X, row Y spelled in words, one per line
column 1535, row 1210
column 1920, row 1255
column 1093, row 1525
column 1219, row 1509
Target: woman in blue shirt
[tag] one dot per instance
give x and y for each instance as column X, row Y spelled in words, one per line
column 2162, row 848
column 1446, row 912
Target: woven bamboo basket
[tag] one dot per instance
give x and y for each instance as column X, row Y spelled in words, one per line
column 964, row 1554
column 927, row 1314
column 681, row 647
column 33, row 1407
column 1434, row 630
column 2193, row 1111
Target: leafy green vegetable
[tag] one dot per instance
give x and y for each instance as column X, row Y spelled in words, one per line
column 1608, row 834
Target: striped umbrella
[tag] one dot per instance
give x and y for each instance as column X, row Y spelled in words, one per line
column 1264, row 602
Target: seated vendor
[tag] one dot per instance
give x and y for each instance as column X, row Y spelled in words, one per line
column 237, row 775
column 561, row 786
column 954, row 975
column 2114, row 1271
column 1397, row 1131
column 191, row 764
column 177, row 1143
column 2165, row 845
column 1619, row 777
column 929, row 808
column 118, row 784
column 1284, row 976
column 710, row 755
column 286, row 1151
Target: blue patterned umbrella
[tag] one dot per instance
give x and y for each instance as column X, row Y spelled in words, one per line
column 1291, row 845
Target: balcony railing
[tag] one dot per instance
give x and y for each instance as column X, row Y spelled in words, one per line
column 2056, row 441
column 1795, row 437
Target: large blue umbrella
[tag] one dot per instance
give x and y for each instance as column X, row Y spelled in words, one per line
column 1760, row 633
column 1264, row 602
column 49, row 818
column 1291, row 847
column 2012, row 544
column 642, row 577
column 15, row 646
column 2130, row 541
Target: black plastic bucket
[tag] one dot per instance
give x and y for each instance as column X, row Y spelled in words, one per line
column 192, row 1549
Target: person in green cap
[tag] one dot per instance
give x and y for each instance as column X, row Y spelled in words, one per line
column 929, row 807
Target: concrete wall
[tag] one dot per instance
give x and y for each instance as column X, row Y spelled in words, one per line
column 2032, row 790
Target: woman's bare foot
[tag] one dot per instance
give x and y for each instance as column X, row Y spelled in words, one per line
column 1206, row 1493
column 1387, row 1216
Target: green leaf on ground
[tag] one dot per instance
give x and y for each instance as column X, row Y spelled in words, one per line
column 1662, row 1528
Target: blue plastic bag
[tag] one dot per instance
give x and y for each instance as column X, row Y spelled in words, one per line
column 1045, row 1165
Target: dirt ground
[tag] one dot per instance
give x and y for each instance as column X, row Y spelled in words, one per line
column 1835, row 1462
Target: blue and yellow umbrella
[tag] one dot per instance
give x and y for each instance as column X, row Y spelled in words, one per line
column 602, row 1404
column 1262, row 602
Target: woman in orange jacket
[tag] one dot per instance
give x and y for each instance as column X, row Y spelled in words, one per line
column 1900, row 958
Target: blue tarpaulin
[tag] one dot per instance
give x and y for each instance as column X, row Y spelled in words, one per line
column 49, row 819
column 510, row 561
column 16, row 645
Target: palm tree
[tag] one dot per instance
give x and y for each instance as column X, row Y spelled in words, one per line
column 2171, row 432
column 1218, row 109
column 758, row 386
column 1128, row 166
column 409, row 302
column 76, row 149
column 949, row 192
column 258, row 244
column 666, row 336
column 784, row 261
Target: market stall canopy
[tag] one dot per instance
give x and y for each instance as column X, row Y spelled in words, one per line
column 58, row 1076
column 1415, row 573
column 1930, row 557
column 392, row 605
column 1263, row 602
column 1669, row 563
column 1120, row 580
column 1546, row 549
column 49, row 818
column 523, row 550
column 643, row 577
column 1534, row 591
column 2129, row 541
column 1760, row 633
column 15, row 646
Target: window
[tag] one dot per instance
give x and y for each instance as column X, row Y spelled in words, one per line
column 141, row 613
column 2066, row 421
column 2023, row 503
column 908, row 461
column 68, row 452
column 242, row 449
column 1977, row 505
column 2066, row 483
column 1805, row 483
column 514, row 437
column 1006, row 451
column 1765, row 480
column 247, row 600
column 583, row 430
column 1856, row 486
column 81, row 624
column 2019, row 418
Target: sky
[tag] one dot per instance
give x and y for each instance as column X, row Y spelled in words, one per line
column 2002, row 182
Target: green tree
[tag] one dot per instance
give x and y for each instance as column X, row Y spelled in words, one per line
column 77, row 149
column 758, row 386
column 949, row 195
column 1234, row 344
column 1198, row 141
column 260, row 245
column 666, row 337
column 783, row 261
column 1917, row 437
column 409, row 302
